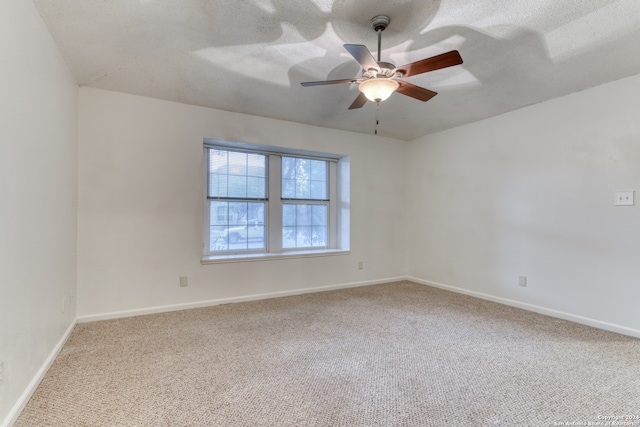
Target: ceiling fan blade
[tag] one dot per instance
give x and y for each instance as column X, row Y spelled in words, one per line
column 417, row 92
column 444, row 60
column 362, row 55
column 359, row 102
column 328, row 82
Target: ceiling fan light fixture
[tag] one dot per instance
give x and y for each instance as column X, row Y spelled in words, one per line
column 378, row 89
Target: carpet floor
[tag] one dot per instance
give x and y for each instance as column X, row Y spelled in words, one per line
column 396, row 354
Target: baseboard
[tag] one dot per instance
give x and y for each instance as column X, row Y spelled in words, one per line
column 14, row 413
column 209, row 303
column 535, row 308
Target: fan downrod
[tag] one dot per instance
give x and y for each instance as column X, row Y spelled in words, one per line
column 379, row 23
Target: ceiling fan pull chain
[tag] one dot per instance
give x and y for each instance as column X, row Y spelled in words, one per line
column 377, row 114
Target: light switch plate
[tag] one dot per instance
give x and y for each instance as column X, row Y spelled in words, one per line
column 624, row 198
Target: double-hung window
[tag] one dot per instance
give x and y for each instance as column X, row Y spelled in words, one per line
column 237, row 195
column 305, row 202
column 265, row 202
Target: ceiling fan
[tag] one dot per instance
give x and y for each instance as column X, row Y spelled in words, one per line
column 380, row 79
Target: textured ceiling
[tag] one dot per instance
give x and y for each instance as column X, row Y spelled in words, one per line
column 250, row 56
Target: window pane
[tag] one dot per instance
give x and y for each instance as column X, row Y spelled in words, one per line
column 303, row 215
column 217, row 213
column 288, row 168
column 318, row 190
column 318, row 180
column 303, row 189
column 319, row 170
column 217, row 173
column 237, row 163
column 304, row 225
column 242, row 228
column 319, row 236
column 255, row 187
column 319, row 215
column 289, row 215
column 304, row 179
column 303, row 237
column 216, row 242
column 255, row 235
column 237, row 175
column 257, row 165
column 288, row 188
column 303, row 175
column 237, row 186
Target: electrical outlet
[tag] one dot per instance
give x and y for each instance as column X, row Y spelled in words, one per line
column 184, row 281
column 360, row 265
column 522, row 281
column 624, row 198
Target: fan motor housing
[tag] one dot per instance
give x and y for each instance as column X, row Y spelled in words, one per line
column 385, row 70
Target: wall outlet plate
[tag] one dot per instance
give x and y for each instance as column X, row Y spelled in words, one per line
column 522, row 281
column 624, row 198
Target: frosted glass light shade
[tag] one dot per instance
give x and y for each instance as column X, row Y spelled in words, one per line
column 378, row 89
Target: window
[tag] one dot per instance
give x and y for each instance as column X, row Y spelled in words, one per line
column 237, row 191
column 305, row 200
column 263, row 202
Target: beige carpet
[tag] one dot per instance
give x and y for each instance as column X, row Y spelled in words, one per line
column 398, row 354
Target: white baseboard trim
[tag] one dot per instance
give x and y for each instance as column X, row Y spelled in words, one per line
column 209, row 303
column 535, row 308
column 14, row 413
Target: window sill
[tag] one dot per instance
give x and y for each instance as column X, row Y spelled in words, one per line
column 218, row 259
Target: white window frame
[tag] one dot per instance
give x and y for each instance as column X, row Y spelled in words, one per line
column 337, row 219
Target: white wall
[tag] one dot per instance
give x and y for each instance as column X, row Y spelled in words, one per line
column 141, row 205
column 38, row 153
column 531, row 193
